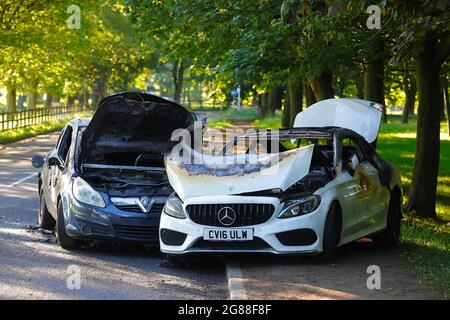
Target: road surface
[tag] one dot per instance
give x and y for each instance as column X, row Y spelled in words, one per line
column 33, row 266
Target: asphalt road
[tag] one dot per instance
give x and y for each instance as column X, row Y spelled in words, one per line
column 33, row 266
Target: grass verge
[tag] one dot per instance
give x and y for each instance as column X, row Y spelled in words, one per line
column 31, row 131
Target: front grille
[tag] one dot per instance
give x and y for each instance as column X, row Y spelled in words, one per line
column 156, row 208
column 247, row 214
column 137, row 232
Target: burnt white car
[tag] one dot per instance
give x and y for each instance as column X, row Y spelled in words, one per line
column 328, row 187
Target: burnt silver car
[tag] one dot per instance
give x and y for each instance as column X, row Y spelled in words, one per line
column 105, row 179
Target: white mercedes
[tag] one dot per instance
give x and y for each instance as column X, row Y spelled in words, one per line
column 316, row 186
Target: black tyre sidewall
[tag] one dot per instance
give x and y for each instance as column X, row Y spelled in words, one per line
column 45, row 219
column 330, row 233
column 64, row 240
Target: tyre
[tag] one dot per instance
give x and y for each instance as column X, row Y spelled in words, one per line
column 330, row 234
column 45, row 219
column 391, row 235
column 64, row 240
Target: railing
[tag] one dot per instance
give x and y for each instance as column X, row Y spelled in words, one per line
column 25, row 118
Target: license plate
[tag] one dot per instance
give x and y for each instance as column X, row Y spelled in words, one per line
column 228, row 234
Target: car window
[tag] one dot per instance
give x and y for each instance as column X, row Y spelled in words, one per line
column 60, row 137
column 351, row 147
column 64, row 146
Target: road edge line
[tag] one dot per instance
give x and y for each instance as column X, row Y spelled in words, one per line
column 235, row 282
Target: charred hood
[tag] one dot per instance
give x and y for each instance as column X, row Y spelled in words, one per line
column 132, row 122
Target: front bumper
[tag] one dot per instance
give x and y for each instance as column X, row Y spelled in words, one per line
column 272, row 236
column 85, row 222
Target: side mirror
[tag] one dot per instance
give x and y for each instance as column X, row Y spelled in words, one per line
column 352, row 164
column 37, row 161
column 54, row 161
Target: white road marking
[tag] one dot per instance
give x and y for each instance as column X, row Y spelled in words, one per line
column 235, row 282
column 34, row 174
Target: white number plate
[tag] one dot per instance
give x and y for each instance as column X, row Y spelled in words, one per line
column 228, row 234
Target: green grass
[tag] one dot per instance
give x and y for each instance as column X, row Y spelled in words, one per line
column 231, row 117
column 45, row 127
column 426, row 245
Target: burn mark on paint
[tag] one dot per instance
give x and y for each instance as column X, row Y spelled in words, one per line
column 235, row 169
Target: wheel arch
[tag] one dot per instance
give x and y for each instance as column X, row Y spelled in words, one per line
column 339, row 217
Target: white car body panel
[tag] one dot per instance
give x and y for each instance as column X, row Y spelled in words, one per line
column 361, row 116
column 292, row 166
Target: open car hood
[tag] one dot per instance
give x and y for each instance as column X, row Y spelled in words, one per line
column 132, row 121
column 361, row 116
column 226, row 175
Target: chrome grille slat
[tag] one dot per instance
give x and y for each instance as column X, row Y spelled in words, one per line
column 247, row 214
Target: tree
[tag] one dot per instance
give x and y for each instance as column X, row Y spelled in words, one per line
column 423, row 36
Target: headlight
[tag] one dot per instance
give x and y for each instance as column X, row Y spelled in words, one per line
column 301, row 206
column 83, row 192
column 174, row 208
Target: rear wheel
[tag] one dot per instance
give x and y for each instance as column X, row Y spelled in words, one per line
column 391, row 235
column 330, row 234
column 64, row 240
column 45, row 219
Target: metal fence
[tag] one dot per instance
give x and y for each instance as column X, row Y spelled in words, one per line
column 28, row 117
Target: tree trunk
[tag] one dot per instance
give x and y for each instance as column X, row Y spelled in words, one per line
column 295, row 88
column 309, row 94
column 178, row 78
column 285, row 116
column 32, row 93
column 265, row 104
column 11, row 99
column 274, row 100
column 70, row 101
column 410, row 88
column 48, row 101
column 441, row 99
column 374, row 80
column 422, row 196
column 447, row 102
column 359, row 82
column 86, row 100
column 322, row 86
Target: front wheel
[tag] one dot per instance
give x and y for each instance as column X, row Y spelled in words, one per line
column 330, row 234
column 64, row 240
column 391, row 235
column 45, row 219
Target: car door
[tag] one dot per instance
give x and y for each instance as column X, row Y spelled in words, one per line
column 377, row 194
column 55, row 172
column 368, row 203
column 351, row 192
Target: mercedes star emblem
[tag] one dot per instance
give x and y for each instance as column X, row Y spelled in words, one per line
column 226, row 216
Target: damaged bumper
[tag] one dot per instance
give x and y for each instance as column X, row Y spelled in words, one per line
column 272, row 235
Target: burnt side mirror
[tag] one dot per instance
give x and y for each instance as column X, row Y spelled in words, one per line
column 54, row 161
column 37, row 161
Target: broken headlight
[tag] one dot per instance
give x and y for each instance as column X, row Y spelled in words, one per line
column 174, row 208
column 83, row 192
column 299, row 206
